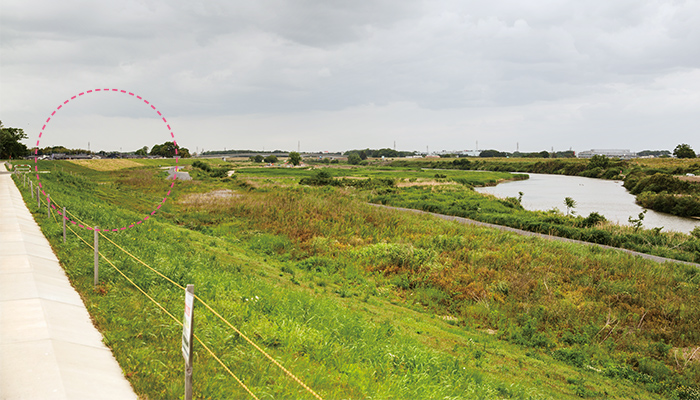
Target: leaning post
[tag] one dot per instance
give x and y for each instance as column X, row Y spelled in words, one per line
column 97, row 257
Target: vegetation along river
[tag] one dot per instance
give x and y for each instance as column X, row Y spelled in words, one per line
column 609, row 198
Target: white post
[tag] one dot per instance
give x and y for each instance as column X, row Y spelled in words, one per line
column 31, row 189
column 187, row 334
column 97, row 257
column 64, row 224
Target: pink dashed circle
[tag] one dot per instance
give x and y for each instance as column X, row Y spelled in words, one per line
column 36, row 153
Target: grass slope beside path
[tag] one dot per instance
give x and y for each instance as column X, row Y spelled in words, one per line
column 368, row 303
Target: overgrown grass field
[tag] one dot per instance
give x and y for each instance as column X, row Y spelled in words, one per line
column 361, row 302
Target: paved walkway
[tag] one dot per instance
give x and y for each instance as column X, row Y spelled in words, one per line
column 49, row 348
column 542, row 235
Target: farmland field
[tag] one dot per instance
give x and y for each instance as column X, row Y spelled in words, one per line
column 362, row 302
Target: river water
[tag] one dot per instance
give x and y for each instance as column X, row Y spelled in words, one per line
column 609, row 198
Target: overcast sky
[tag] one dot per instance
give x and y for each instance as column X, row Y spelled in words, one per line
column 337, row 75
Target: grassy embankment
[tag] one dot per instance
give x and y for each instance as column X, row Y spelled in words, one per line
column 362, row 302
column 654, row 182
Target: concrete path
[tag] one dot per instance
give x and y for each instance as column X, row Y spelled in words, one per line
column 49, row 348
column 542, row 235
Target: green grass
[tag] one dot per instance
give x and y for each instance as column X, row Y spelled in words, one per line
column 652, row 181
column 361, row 302
column 463, row 202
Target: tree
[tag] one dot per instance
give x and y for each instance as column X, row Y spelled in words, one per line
column 354, row 158
column 683, row 150
column 295, row 158
column 258, row 158
column 492, row 153
column 142, row 151
column 271, row 159
column 183, row 152
column 167, row 149
column 10, row 145
column 570, row 205
column 598, row 161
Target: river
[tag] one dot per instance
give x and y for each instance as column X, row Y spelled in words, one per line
column 609, row 198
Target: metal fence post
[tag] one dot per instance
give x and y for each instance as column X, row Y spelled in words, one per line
column 97, row 257
column 38, row 197
column 48, row 206
column 31, row 188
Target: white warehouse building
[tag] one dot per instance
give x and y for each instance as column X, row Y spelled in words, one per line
column 610, row 153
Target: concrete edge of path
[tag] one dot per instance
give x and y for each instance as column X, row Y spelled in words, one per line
column 49, row 347
column 468, row 221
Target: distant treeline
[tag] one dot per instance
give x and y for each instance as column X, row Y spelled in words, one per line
column 374, row 153
column 491, row 153
column 60, row 150
column 655, row 153
column 215, row 152
column 166, row 149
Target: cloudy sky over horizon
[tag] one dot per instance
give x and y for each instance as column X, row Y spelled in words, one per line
column 336, row 75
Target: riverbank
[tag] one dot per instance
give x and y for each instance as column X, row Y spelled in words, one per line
column 594, row 228
column 544, row 192
column 651, row 181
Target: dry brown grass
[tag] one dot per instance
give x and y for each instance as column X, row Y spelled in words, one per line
column 664, row 162
column 689, row 178
column 107, row 165
column 425, row 183
column 222, row 196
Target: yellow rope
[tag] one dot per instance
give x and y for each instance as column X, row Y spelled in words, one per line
column 143, row 263
column 260, row 350
column 225, row 367
column 169, row 314
column 207, row 306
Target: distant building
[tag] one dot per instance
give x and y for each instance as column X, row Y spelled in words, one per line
column 610, row 153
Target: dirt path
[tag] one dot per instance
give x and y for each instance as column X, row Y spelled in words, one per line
column 528, row 233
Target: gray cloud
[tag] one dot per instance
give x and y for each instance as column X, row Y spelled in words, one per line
column 605, row 63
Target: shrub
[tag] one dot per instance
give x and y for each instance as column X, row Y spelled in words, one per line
column 593, row 219
column 201, row 165
column 219, row 172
